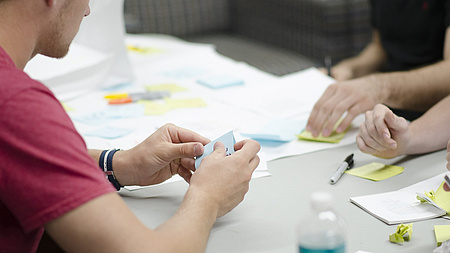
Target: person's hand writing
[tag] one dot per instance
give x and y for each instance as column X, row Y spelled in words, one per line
column 354, row 97
column 224, row 180
column 383, row 134
column 168, row 151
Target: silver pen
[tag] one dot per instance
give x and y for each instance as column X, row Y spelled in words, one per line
column 347, row 164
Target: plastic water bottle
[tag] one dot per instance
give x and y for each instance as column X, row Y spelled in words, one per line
column 324, row 231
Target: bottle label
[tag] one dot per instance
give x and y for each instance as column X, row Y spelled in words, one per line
column 339, row 249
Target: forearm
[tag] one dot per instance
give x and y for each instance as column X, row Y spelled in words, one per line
column 192, row 223
column 416, row 90
column 431, row 131
column 369, row 61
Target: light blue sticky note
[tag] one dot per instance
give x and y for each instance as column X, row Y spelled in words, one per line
column 109, row 132
column 113, row 112
column 184, row 72
column 227, row 140
column 279, row 130
column 94, row 118
column 220, row 81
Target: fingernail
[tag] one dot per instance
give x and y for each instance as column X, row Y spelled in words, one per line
column 308, row 128
column 198, row 149
column 325, row 132
column 393, row 145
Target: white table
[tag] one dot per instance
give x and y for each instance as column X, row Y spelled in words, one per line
column 266, row 220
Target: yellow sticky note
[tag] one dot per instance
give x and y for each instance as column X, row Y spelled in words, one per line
column 442, row 233
column 442, row 198
column 402, row 234
column 185, row 103
column 144, row 50
column 333, row 138
column 153, row 108
column 171, row 87
column 376, row 171
column 67, row 108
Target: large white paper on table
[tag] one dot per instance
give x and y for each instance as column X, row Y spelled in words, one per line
column 97, row 57
column 402, row 206
column 261, row 99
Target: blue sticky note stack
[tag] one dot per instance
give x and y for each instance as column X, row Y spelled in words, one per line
column 227, row 140
column 282, row 130
column 220, row 81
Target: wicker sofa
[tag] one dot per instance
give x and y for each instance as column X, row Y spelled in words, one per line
column 277, row 36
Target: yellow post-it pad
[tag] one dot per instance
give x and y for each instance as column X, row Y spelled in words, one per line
column 442, row 198
column 333, row 138
column 171, row 87
column 442, row 233
column 185, row 103
column 376, row 171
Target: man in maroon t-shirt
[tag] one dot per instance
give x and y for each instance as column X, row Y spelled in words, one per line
column 50, row 181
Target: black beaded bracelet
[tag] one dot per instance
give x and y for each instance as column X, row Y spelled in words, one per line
column 105, row 162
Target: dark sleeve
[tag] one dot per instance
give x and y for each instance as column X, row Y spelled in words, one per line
column 372, row 14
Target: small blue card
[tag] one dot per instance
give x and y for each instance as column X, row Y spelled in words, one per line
column 227, row 140
column 220, row 81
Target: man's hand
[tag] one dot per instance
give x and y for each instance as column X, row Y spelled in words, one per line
column 224, row 180
column 339, row 72
column 168, row 151
column 383, row 134
column 354, row 97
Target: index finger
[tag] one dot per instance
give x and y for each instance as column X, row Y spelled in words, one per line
column 182, row 135
column 247, row 146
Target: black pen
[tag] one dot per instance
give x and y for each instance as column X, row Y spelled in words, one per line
column 328, row 65
column 347, row 164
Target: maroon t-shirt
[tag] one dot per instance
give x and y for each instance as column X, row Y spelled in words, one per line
column 45, row 169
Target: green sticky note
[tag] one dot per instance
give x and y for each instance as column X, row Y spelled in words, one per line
column 376, row 171
column 442, row 233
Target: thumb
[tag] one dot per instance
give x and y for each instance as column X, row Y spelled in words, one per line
column 219, row 149
column 187, row 150
column 395, row 123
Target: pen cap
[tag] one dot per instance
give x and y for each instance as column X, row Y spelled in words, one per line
column 321, row 201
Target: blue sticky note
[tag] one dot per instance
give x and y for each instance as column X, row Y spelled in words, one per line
column 220, row 81
column 227, row 140
column 184, row 72
column 282, row 130
column 94, row 118
column 113, row 112
column 109, row 132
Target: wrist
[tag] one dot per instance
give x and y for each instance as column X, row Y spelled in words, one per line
column 123, row 168
column 106, row 164
column 204, row 200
